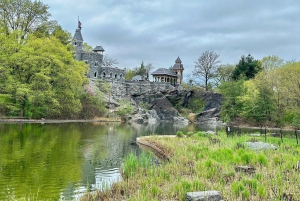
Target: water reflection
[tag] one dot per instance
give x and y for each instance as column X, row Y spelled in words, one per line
column 63, row 161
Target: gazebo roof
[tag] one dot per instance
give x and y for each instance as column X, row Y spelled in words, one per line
column 164, row 71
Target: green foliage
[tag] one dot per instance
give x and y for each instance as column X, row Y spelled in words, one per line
column 125, row 109
column 196, row 105
column 179, row 134
column 231, row 105
column 247, row 68
column 44, row 79
column 24, row 16
column 129, row 74
column 92, row 103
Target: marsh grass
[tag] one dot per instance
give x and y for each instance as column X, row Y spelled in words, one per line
column 198, row 165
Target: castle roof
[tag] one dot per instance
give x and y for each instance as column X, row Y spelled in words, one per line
column 178, row 64
column 78, row 35
column 164, row 71
column 98, row 48
column 178, row 60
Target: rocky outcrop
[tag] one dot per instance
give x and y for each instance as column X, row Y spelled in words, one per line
column 143, row 116
column 159, row 109
column 164, row 109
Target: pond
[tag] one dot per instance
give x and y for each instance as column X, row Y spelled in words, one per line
column 63, row 161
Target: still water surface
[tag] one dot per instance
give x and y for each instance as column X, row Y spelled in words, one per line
column 63, row 161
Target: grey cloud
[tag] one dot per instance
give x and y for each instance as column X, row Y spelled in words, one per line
column 158, row 31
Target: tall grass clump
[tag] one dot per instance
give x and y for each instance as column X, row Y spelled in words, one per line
column 133, row 162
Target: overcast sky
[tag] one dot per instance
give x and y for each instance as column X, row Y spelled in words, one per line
column 158, row 31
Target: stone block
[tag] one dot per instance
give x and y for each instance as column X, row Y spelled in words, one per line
column 204, row 196
column 245, row 169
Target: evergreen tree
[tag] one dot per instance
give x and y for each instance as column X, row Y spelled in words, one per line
column 246, row 68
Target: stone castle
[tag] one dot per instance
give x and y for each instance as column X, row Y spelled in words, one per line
column 163, row 79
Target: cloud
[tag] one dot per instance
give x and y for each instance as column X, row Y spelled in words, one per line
column 157, row 32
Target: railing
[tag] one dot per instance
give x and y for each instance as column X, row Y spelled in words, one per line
column 232, row 130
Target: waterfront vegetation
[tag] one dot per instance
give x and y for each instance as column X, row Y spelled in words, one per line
column 199, row 163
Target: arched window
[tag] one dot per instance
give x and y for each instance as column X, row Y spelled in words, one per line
column 75, row 43
column 121, row 76
column 86, row 61
column 104, row 74
column 110, row 75
column 96, row 63
column 168, row 80
column 95, row 74
column 116, row 76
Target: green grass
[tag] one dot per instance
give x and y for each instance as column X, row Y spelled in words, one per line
column 197, row 165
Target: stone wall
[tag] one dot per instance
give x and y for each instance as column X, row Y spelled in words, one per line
column 95, row 61
column 134, row 88
column 121, row 88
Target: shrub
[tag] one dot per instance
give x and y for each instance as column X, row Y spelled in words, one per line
column 179, row 134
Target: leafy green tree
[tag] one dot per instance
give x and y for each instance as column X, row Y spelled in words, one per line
column 206, row 67
column 142, row 71
column 129, row 74
column 223, row 73
column 45, row 79
column 246, row 68
column 231, row 106
column 271, row 62
column 62, row 35
column 23, row 15
column 86, row 47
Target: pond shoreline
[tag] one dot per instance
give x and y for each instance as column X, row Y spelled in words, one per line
column 42, row 121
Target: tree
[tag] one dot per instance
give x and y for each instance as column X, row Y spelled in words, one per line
column 23, row 15
column 223, row 73
column 246, row 68
column 149, row 68
column 109, row 62
column 129, row 74
column 46, row 79
column 206, row 66
column 271, row 62
column 86, row 47
column 141, row 70
column 231, row 106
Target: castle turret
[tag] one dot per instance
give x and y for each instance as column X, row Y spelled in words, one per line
column 78, row 43
column 178, row 69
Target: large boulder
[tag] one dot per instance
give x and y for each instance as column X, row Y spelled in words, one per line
column 164, row 109
column 260, row 146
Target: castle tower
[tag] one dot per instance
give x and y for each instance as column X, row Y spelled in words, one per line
column 78, row 42
column 178, row 69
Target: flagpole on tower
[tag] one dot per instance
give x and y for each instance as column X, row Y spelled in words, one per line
column 79, row 24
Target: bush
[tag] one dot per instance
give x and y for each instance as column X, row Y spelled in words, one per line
column 125, row 109
column 179, row 134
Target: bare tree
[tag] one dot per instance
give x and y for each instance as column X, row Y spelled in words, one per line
column 206, row 66
column 108, row 61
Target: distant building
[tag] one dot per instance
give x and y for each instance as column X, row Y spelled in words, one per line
column 173, row 76
column 137, row 78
